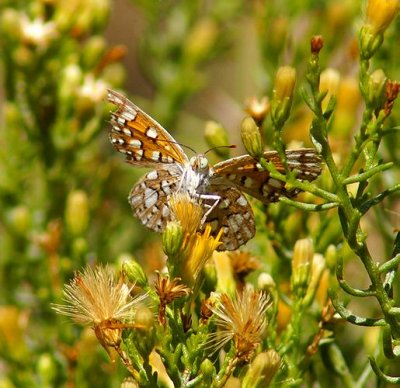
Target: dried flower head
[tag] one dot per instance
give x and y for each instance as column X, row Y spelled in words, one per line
column 168, row 290
column 94, row 297
column 241, row 319
column 316, row 44
column 243, row 263
column 392, row 92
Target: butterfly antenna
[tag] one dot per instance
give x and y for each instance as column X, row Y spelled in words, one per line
column 182, row 145
column 224, row 146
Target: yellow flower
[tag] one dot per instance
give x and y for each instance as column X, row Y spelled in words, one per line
column 197, row 247
column 380, row 14
column 258, row 109
column 187, row 211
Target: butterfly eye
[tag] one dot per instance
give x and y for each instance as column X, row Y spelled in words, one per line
column 203, row 163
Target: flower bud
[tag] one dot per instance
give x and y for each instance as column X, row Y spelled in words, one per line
column 329, row 84
column 93, row 51
column 262, row 370
column 201, row 40
column 251, row 137
column 301, row 266
column 285, row 81
column 216, row 136
column 316, row 44
column 145, row 334
column 77, row 212
column 331, row 257
column 172, row 238
column 376, row 87
column 225, row 279
column 207, row 369
column 10, row 23
column 317, row 269
column 46, row 369
column 134, row 272
column 129, row 382
column 266, row 282
column 380, row 14
column 79, row 246
column 20, row 219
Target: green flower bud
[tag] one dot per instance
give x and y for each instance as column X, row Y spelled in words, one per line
column 20, row 219
column 216, row 136
column 201, row 40
column 10, row 23
column 94, row 49
column 129, row 382
column 46, row 370
column 172, row 238
column 285, row 81
column 251, row 137
column 266, row 282
column 145, row 336
column 301, row 266
column 376, row 89
column 134, row 272
column 77, row 212
column 207, row 369
column 79, row 246
column 331, row 258
column 262, row 370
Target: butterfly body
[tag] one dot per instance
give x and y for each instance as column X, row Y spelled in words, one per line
column 219, row 188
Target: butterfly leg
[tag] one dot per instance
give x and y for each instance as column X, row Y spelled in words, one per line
column 212, row 197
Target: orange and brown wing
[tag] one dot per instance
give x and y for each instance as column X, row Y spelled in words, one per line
column 143, row 141
column 246, row 173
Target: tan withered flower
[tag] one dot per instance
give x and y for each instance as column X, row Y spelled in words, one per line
column 95, row 298
column 243, row 264
column 168, row 290
column 241, row 319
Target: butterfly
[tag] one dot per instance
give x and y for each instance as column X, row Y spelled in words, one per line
column 221, row 187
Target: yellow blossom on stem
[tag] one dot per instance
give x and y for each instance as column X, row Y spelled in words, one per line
column 380, row 14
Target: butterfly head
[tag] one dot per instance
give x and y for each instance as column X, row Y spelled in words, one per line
column 199, row 163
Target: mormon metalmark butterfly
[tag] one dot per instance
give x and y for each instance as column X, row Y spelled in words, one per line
column 146, row 143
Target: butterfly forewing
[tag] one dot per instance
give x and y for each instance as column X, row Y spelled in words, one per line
column 143, row 141
column 245, row 173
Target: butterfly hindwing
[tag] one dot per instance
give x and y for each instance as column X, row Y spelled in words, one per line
column 245, row 173
column 235, row 216
column 149, row 197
